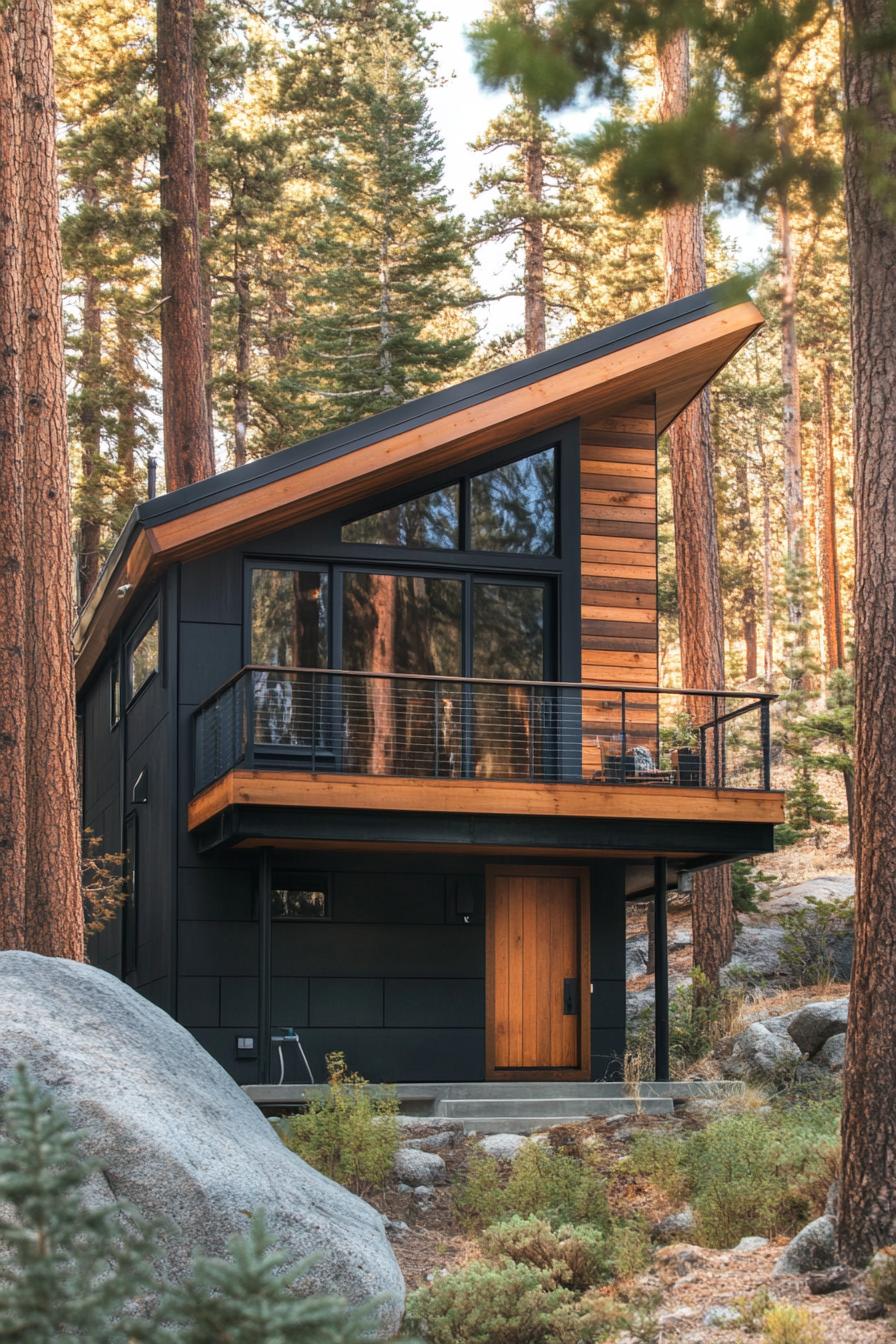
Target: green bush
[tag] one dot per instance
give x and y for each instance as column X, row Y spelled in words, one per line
column 71, row 1270
column 576, row 1256
column 810, row 935
column 699, row 1018
column 506, row 1304
column 747, row 1173
column 551, row 1185
column 785, row 1323
column 348, row 1134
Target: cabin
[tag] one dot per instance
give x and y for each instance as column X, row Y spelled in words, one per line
column 376, row 722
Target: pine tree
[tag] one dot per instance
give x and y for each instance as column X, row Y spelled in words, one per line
column 386, row 267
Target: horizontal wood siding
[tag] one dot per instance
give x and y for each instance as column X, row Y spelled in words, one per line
column 619, row 571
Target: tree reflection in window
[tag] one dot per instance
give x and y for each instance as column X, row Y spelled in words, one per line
column 401, row 623
column 513, row 507
column 143, row 657
column 289, row 630
column 429, row 522
column 508, row 645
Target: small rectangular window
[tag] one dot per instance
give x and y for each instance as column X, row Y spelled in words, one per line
column 299, row 897
column 143, row 656
column 114, row 694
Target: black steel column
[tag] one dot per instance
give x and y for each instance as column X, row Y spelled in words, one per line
column 264, row 966
column 661, row 972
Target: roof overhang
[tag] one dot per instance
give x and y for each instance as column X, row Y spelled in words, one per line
column 669, row 354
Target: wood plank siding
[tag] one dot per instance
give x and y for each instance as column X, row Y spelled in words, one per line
column 619, row 572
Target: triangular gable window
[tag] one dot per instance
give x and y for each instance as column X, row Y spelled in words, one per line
column 429, row 522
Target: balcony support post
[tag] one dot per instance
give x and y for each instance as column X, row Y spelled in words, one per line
column 661, row 972
column 263, row 905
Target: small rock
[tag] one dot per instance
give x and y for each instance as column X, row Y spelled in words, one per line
column 674, row 1317
column 418, row 1168
column 832, row 1055
column 419, row 1126
column 396, row 1227
column 675, row 1226
column 431, row 1143
column 747, row 1245
column 721, row 1317
column 674, row 1262
column 505, row 1147
column 758, row 1053
column 404, row 1188
column 423, row 1193
column 614, row 1121
column 864, row 1307
column 812, row 1248
column 833, row 1280
column 816, row 1022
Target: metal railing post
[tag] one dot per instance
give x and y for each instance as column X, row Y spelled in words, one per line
column 531, row 752
column 436, row 725
column 765, row 733
column 623, row 736
column 250, row 720
column 313, row 722
column 715, row 741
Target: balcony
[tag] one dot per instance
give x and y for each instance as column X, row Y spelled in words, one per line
column 323, row 738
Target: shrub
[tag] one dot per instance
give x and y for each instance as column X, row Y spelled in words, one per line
column 69, row 1269
column 747, row 1173
column 753, row 1310
column 699, row 1017
column 749, row 887
column 810, row 938
column 786, row 1324
column 630, row 1247
column 576, row 1256
column 882, row 1276
column 551, row 1185
column 347, row 1134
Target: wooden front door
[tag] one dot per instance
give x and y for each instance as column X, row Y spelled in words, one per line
column 537, row 973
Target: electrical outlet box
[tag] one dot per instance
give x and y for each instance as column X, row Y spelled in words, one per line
column 246, row 1047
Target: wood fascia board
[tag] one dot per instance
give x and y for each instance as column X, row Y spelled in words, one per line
column 293, row 788
column 585, row 389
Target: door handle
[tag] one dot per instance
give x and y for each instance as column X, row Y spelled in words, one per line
column 571, row 998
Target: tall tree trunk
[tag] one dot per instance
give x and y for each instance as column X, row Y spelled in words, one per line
column 826, row 525
column 89, row 427
column 54, row 912
column 791, row 427
column 693, row 502
column 243, row 359
column 747, row 551
column 204, row 201
column 188, row 455
column 868, row 1198
column 13, row 694
column 533, row 248
column 126, row 413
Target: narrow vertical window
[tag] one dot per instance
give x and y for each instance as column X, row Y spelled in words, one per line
column 142, row 655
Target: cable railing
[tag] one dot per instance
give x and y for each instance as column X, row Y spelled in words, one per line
column 432, row 727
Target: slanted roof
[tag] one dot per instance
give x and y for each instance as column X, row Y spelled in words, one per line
column 670, row 353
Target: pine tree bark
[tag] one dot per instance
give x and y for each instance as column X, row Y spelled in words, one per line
column 533, row 249
column 868, row 1187
column 13, row 697
column 744, row 532
column 188, row 455
column 826, row 525
column 54, row 912
column 204, row 202
column 243, row 364
column 700, row 612
column 90, row 374
column 127, row 379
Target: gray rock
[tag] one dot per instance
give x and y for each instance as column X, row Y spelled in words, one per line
column 503, row 1146
column 747, row 1245
column 864, row 1307
column 815, row 1247
column 423, row 1193
column 817, row 1022
column 635, row 955
column 722, row 1317
column 832, row 1203
column 432, row 1143
column 676, row 1226
column 756, row 956
column 421, row 1126
column 757, row 1053
column 418, row 1168
column 779, row 1026
column 834, row 1280
column 176, row 1136
column 787, row 900
column 832, row 1055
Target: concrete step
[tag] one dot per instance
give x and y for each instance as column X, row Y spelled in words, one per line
column 558, row 1105
column 478, row 1124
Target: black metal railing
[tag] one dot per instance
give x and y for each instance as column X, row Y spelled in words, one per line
column 367, row 723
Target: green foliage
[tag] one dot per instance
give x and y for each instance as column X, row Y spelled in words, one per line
column 506, row 1304
column 749, row 887
column 747, row 1174
column 786, row 1323
column 753, row 1310
column 348, row 1134
column 811, row 935
column 71, row 1269
column 806, row 805
column 699, row 1017
column 882, row 1276
column 554, row 1186
column 576, row 1256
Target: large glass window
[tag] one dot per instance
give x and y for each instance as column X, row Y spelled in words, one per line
column 143, row 656
column 508, row 645
column 289, row 617
column 402, row 623
column 430, row 522
column 513, row 507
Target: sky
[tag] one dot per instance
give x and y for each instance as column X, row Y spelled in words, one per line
column 462, row 108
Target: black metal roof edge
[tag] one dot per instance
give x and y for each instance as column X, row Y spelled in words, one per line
column 422, row 410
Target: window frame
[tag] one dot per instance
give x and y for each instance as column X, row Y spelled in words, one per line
column 152, row 616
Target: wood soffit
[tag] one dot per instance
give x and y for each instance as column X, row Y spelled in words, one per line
column 673, row 365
